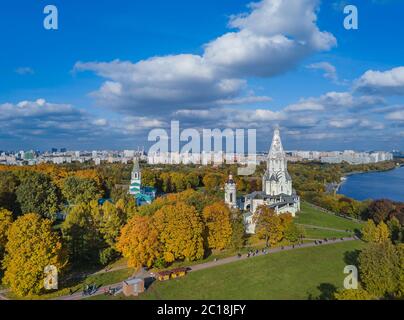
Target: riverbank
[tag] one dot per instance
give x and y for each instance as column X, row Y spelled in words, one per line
column 336, row 186
column 373, row 185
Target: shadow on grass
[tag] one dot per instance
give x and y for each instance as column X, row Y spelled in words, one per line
column 327, row 291
column 351, row 257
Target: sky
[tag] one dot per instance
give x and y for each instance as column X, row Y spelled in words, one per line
column 115, row 70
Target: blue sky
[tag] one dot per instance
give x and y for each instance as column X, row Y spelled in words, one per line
column 117, row 69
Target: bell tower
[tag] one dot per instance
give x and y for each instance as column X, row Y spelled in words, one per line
column 136, row 178
column 230, row 192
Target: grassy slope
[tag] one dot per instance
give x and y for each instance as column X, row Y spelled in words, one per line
column 311, row 216
column 300, row 274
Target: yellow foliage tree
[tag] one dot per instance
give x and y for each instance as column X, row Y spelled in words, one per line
column 6, row 219
column 139, row 242
column 268, row 225
column 180, row 232
column 217, row 218
column 31, row 246
column 375, row 234
column 358, row 294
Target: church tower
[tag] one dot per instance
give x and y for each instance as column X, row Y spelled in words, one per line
column 230, row 193
column 276, row 180
column 136, row 179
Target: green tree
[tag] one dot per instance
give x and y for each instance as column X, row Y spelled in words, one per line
column 31, row 246
column 111, row 223
column 76, row 190
column 8, row 186
column 81, row 233
column 238, row 231
column 38, row 194
column 192, row 180
column 178, row 182
column 379, row 268
column 294, row 233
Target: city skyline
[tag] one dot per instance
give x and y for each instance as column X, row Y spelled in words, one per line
column 115, row 71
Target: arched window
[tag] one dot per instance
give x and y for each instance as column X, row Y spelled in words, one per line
column 231, row 197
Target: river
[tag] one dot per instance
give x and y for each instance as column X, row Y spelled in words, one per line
column 375, row 185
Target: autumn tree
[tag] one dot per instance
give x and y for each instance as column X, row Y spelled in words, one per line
column 212, row 181
column 376, row 234
column 217, row 218
column 379, row 210
column 38, row 194
column 357, row 294
column 268, row 225
column 180, row 232
column 31, row 246
column 139, row 242
column 6, row 219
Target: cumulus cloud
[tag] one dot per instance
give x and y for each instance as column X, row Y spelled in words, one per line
column 272, row 38
column 390, row 82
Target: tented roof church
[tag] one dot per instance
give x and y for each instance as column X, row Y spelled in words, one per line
column 277, row 191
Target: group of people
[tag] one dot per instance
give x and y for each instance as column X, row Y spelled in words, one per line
column 89, row 289
column 110, row 291
column 317, row 242
column 253, row 253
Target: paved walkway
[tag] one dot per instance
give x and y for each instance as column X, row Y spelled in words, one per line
column 323, row 228
column 211, row 264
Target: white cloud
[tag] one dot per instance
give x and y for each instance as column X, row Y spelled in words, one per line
column 390, row 82
column 270, row 39
column 330, row 72
column 335, row 100
column 343, row 123
column 396, row 116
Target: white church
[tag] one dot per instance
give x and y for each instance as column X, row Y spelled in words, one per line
column 277, row 191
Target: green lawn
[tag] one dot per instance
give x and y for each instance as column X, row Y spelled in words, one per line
column 312, row 216
column 99, row 279
column 312, row 233
column 307, row 273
